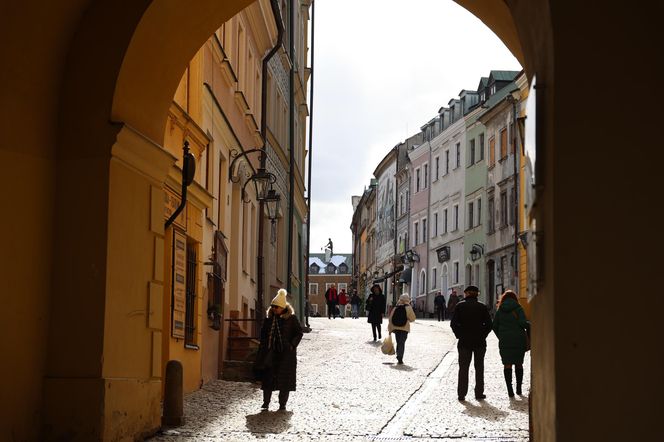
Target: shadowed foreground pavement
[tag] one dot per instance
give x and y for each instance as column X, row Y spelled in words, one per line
column 349, row 391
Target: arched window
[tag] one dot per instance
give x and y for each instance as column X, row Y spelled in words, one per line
column 423, row 281
column 444, row 281
column 469, row 274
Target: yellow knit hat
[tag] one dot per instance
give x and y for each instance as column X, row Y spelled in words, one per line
column 280, row 300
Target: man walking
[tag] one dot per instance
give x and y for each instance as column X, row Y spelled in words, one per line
column 355, row 305
column 439, row 302
column 343, row 300
column 471, row 324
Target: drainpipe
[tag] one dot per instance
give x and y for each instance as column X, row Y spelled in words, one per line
column 291, row 142
column 426, row 283
column 261, row 203
column 396, row 201
column 516, row 195
column 311, row 134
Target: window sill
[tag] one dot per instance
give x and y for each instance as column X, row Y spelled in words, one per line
column 191, row 347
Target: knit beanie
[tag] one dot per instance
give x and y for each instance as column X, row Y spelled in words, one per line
column 280, row 300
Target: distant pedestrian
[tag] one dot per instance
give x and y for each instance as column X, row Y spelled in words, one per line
column 451, row 303
column 439, row 302
column 277, row 358
column 343, row 301
column 511, row 326
column 375, row 309
column 471, row 324
column 399, row 322
column 332, row 299
column 355, row 302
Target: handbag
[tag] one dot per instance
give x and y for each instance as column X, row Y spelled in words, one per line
column 265, row 360
column 388, row 346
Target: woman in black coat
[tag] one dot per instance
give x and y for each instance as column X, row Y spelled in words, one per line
column 277, row 358
column 375, row 307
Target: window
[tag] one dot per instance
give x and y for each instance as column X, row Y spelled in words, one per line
column 492, row 221
column 470, row 215
column 424, row 230
column 401, row 204
column 512, row 137
column 476, row 281
column 481, row 147
column 434, row 276
column 447, row 162
column 437, row 160
column 445, row 229
column 426, row 176
column 456, row 272
column 471, row 153
column 417, row 180
column 435, row 224
column 469, row 274
column 313, row 268
column 313, row 288
column 503, row 143
column 478, row 204
column 416, row 235
column 456, row 217
column 458, row 155
column 492, row 151
column 342, row 286
column 503, row 209
column 328, row 285
column 423, row 281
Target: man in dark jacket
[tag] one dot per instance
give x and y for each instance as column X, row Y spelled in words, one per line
column 471, row 324
column 332, row 299
column 439, row 302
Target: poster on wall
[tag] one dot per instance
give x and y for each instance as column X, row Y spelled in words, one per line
column 179, row 283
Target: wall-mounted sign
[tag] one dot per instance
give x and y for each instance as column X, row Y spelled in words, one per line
column 443, row 253
column 171, row 203
column 179, row 285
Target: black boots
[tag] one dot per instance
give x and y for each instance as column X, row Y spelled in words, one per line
column 508, row 381
column 518, row 371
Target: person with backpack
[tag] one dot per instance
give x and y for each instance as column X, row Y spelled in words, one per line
column 511, row 327
column 399, row 322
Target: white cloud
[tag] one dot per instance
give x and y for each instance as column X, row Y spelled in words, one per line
column 383, row 69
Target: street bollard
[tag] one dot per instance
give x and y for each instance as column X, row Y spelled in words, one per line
column 173, row 399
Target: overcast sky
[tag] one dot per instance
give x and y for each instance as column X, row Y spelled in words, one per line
column 383, row 68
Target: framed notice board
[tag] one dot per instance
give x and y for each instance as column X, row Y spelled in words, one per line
column 178, row 287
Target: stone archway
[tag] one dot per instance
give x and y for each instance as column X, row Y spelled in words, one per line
column 80, row 116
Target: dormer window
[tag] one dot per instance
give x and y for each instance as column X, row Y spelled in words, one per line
column 493, row 88
column 330, row 269
column 313, row 268
column 343, row 268
column 482, row 97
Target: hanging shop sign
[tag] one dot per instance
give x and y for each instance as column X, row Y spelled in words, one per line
column 443, row 254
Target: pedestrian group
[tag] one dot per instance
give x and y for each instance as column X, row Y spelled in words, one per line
column 276, row 361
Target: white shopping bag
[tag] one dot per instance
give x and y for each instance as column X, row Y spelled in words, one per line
column 388, row 346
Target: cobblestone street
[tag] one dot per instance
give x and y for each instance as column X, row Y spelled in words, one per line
column 349, row 391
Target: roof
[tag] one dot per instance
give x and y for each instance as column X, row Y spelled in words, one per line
column 504, row 75
column 337, row 260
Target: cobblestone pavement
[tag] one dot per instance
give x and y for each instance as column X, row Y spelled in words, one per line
column 349, row 391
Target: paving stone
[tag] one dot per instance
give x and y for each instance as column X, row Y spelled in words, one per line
column 348, row 390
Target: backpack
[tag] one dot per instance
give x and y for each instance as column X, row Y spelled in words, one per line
column 399, row 317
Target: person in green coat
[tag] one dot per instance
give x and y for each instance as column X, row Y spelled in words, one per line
column 511, row 326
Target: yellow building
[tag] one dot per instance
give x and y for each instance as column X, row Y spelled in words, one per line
column 522, row 83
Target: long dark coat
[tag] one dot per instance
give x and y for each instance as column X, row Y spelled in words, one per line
column 471, row 323
column 283, row 375
column 510, row 326
column 375, row 306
